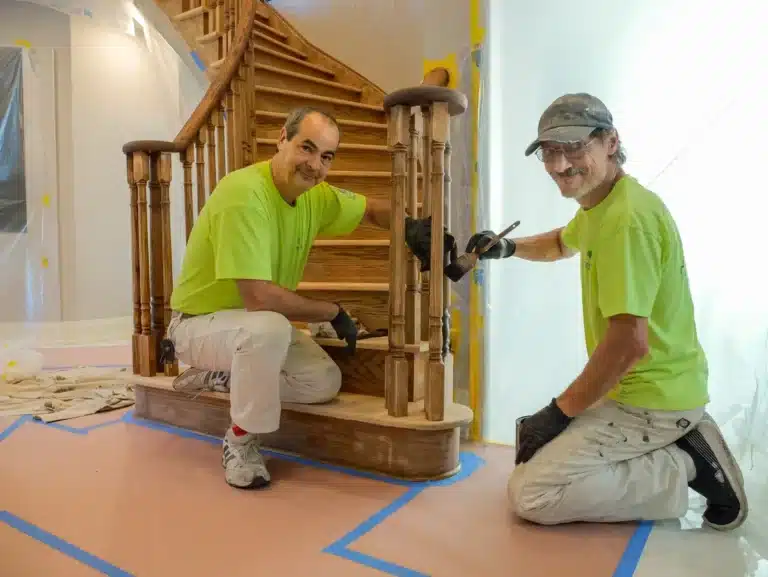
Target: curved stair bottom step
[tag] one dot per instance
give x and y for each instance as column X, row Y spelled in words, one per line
column 351, row 431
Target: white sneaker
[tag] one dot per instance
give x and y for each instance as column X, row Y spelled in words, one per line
column 243, row 464
column 195, row 380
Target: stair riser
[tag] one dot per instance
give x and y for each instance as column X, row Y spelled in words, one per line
column 287, row 82
column 372, row 187
column 347, row 264
column 352, row 159
column 278, row 46
column 364, row 373
column 272, row 60
column 286, row 102
column 372, row 308
column 400, row 452
column 190, row 31
column 211, row 51
column 269, row 31
column 268, row 127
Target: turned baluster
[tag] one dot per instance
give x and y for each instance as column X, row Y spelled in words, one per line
column 396, row 368
column 413, row 280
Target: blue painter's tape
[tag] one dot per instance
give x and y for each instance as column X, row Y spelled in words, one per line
column 469, row 462
column 62, row 546
column 631, row 557
column 369, row 524
column 13, row 426
column 378, row 564
column 197, row 60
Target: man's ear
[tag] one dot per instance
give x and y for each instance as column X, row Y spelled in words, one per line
column 613, row 142
column 283, row 139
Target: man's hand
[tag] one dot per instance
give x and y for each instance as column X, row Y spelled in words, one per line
column 539, row 429
column 502, row 249
column 345, row 329
column 418, row 237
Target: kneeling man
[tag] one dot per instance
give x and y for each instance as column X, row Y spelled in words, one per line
column 630, row 435
column 235, row 298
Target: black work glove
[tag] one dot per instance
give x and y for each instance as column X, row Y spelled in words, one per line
column 502, row 249
column 539, row 429
column 418, row 237
column 345, row 329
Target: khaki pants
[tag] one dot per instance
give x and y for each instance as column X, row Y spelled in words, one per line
column 269, row 362
column 613, row 463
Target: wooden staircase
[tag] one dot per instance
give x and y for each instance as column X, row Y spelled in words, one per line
column 395, row 413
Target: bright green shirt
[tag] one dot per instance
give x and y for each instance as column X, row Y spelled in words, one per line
column 246, row 230
column 632, row 262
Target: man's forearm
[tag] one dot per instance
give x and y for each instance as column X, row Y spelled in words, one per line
column 266, row 296
column 545, row 247
column 378, row 212
column 610, row 362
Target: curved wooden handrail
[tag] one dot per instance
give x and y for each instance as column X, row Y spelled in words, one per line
column 213, row 95
column 437, row 77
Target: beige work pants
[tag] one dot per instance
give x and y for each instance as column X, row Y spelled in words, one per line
column 269, row 361
column 613, row 463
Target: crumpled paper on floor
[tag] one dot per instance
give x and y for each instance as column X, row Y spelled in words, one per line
column 66, row 394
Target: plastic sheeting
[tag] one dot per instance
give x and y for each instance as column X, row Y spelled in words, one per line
column 690, row 110
column 12, row 187
column 28, row 201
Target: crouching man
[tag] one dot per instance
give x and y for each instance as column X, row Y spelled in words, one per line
column 630, row 435
column 235, row 298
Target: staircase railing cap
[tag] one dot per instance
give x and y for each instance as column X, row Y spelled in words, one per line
column 151, row 146
column 425, row 95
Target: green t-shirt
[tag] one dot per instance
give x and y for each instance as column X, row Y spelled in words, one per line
column 632, row 262
column 246, row 230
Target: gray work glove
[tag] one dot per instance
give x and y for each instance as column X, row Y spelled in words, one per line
column 502, row 249
column 345, row 328
column 539, row 429
column 418, row 238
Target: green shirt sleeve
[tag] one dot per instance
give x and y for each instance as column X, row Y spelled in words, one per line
column 242, row 243
column 570, row 234
column 342, row 210
column 629, row 268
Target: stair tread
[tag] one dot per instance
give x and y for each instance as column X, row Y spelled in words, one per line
column 263, row 26
column 306, row 77
column 298, row 53
column 342, row 146
column 289, row 58
column 310, row 96
column 207, row 38
column 189, row 14
column 346, row 406
column 344, row 286
column 341, row 121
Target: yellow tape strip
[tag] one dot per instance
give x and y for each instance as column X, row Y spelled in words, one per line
column 476, row 35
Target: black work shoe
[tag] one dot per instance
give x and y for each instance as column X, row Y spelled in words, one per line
column 718, row 477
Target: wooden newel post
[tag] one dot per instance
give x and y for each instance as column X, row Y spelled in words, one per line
column 437, row 105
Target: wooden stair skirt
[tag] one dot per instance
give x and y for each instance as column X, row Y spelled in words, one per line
column 352, row 430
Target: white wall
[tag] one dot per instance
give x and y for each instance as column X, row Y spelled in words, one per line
column 684, row 88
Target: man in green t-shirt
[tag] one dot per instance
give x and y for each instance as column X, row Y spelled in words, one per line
column 235, row 298
column 630, row 434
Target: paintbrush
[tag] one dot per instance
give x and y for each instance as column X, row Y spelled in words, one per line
column 466, row 262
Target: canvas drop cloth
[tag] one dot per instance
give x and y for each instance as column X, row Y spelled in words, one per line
column 67, row 394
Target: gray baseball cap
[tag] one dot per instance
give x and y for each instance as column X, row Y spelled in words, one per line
column 571, row 118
